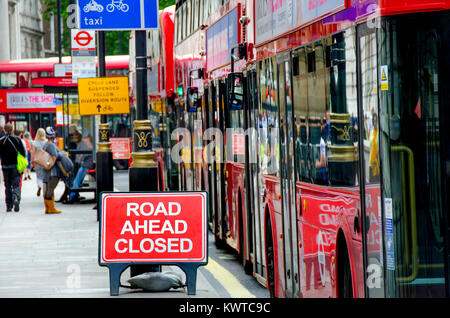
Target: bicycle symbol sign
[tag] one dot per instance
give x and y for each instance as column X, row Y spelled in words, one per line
column 117, row 14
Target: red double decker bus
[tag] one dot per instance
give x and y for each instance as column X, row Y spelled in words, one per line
column 334, row 181
column 349, row 180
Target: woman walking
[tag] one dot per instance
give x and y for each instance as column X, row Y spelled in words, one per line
column 39, row 143
column 28, row 144
column 52, row 176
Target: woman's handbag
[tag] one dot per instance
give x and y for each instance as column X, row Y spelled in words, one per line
column 22, row 163
column 44, row 159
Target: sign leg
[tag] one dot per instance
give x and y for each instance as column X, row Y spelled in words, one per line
column 191, row 277
column 115, row 271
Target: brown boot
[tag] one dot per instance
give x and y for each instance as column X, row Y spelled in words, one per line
column 51, row 207
column 46, row 205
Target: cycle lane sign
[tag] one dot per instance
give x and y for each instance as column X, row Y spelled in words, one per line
column 108, row 15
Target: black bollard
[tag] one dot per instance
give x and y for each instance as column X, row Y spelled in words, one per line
column 104, row 167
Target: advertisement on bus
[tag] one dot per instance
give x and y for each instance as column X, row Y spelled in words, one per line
column 273, row 18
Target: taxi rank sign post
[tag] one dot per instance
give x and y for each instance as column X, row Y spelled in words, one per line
column 164, row 228
column 108, row 15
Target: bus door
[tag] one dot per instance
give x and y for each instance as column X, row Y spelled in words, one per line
column 220, row 160
column 218, row 96
column 414, row 79
column 253, row 179
column 288, row 176
column 209, row 153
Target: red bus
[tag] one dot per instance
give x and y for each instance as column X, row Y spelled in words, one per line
column 340, row 189
column 348, row 100
column 189, row 111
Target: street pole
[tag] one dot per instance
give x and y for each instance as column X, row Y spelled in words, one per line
column 58, row 31
column 143, row 172
column 104, row 166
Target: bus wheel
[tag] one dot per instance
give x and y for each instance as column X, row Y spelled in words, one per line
column 270, row 260
column 345, row 276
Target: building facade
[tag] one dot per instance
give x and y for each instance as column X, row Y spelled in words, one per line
column 29, row 34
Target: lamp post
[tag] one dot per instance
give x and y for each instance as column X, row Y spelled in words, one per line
column 143, row 172
column 104, row 158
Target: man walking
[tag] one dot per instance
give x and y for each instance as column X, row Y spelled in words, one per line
column 9, row 146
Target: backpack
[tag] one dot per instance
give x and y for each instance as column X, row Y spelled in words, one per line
column 65, row 164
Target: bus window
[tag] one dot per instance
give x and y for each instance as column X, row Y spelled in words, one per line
column 269, row 118
column 8, row 80
column 325, row 111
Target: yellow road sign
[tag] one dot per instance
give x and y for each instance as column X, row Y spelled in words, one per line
column 103, row 95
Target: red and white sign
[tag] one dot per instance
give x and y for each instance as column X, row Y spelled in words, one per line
column 83, row 40
column 26, row 100
column 120, row 148
column 153, row 228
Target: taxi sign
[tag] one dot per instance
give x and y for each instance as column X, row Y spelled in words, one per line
column 103, row 95
column 117, row 15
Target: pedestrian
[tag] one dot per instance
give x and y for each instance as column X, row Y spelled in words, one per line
column 2, row 133
column 28, row 144
column 39, row 143
column 10, row 145
column 52, row 176
column 84, row 162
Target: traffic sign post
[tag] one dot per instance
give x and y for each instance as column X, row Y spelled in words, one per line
column 83, row 54
column 110, row 15
column 167, row 228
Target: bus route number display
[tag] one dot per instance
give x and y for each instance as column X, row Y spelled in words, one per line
column 103, row 95
column 153, row 228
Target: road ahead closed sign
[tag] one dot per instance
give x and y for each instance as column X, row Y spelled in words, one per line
column 103, row 95
column 153, row 228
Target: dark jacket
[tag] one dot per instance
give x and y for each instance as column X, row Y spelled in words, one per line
column 8, row 153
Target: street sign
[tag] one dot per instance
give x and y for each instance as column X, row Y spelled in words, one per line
column 62, row 70
column 120, row 148
column 83, row 54
column 83, row 67
column 83, row 42
column 153, row 228
column 103, row 95
column 110, row 15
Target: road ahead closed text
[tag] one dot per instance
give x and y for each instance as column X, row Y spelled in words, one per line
column 153, row 227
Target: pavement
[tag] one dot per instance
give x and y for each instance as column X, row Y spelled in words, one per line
column 56, row 255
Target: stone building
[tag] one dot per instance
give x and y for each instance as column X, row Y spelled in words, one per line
column 28, row 34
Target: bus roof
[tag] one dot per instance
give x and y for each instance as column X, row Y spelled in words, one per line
column 46, row 64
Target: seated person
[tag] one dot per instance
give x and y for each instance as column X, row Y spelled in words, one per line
column 83, row 161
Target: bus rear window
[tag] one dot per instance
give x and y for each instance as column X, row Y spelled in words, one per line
column 8, row 80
